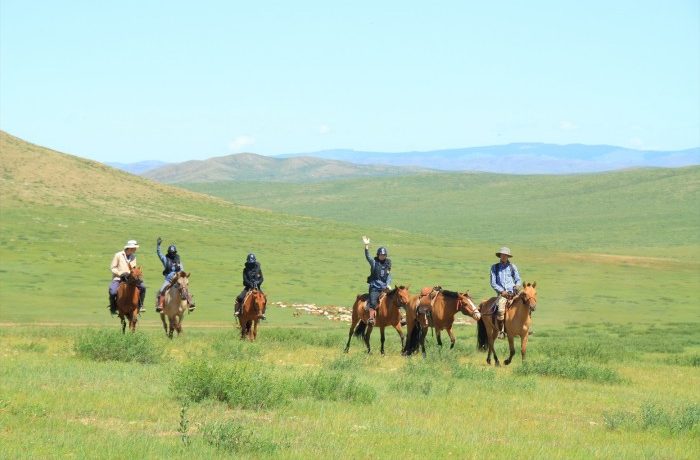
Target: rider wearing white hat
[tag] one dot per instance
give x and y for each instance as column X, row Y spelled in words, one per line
column 505, row 280
column 122, row 263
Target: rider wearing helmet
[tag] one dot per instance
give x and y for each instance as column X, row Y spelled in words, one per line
column 171, row 267
column 505, row 280
column 252, row 279
column 379, row 277
column 122, row 263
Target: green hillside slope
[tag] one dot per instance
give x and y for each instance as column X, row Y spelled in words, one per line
column 650, row 212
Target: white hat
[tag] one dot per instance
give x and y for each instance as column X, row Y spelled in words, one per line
column 504, row 250
column 131, row 244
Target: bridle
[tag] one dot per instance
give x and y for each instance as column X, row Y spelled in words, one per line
column 475, row 313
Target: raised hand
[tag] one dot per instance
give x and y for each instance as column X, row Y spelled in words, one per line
column 160, row 240
column 365, row 240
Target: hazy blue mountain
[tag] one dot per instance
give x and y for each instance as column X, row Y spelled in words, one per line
column 523, row 158
column 138, row 168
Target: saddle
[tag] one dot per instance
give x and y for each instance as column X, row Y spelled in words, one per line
column 426, row 300
column 365, row 298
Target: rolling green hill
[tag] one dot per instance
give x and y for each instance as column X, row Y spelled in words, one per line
column 252, row 167
column 647, row 212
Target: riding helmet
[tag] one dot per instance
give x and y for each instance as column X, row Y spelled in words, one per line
column 172, row 249
column 381, row 251
column 251, row 258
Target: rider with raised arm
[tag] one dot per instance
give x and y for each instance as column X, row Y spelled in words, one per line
column 171, row 267
column 379, row 277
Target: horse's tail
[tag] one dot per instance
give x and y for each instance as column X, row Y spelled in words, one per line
column 482, row 338
column 360, row 329
column 413, row 340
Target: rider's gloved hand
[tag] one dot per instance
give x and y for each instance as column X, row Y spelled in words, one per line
column 124, row 276
column 160, row 240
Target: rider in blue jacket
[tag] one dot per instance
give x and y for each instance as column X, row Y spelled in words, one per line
column 379, row 277
column 171, row 267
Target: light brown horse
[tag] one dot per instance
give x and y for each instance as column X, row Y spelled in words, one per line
column 128, row 299
column 440, row 315
column 388, row 314
column 518, row 320
column 175, row 303
column 252, row 309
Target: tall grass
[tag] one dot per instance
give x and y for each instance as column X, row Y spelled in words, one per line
column 109, row 345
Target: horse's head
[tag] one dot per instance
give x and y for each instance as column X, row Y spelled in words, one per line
column 401, row 296
column 182, row 283
column 259, row 301
column 466, row 305
column 529, row 295
column 135, row 276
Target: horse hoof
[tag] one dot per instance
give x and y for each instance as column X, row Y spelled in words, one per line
column 506, row 362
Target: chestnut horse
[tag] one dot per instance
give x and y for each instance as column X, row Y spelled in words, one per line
column 441, row 316
column 175, row 303
column 518, row 320
column 128, row 299
column 388, row 314
column 252, row 309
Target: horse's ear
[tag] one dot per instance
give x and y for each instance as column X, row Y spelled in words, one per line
column 188, row 275
column 527, row 284
column 534, row 284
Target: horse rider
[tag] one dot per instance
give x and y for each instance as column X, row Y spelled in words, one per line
column 505, row 280
column 171, row 267
column 122, row 263
column 379, row 278
column 252, row 279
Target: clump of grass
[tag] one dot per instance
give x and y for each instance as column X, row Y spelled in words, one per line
column 348, row 362
column 321, row 338
column 104, row 345
column 569, row 368
column 240, row 384
column 333, row 386
column 587, row 351
column 35, row 347
column 652, row 416
column 230, row 346
column 686, row 360
column 233, row 437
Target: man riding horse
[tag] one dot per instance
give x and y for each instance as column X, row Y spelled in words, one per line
column 252, row 279
column 171, row 267
column 122, row 263
column 379, row 278
column 505, row 280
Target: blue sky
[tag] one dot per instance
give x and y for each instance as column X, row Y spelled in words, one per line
column 129, row 81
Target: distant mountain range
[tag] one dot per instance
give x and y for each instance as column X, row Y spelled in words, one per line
column 523, row 158
column 252, row 167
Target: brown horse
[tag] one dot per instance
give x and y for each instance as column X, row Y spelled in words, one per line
column 128, row 299
column 440, row 315
column 388, row 314
column 253, row 308
column 518, row 320
column 175, row 303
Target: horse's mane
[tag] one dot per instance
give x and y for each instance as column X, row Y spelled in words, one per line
column 450, row 294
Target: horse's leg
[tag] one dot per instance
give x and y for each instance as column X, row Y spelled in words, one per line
column 492, row 341
column 123, row 324
column 403, row 338
column 165, row 326
column 523, row 344
column 367, row 335
column 255, row 329
column 511, row 347
column 452, row 337
column 437, row 336
column 354, row 322
column 381, row 332
column 178, row 323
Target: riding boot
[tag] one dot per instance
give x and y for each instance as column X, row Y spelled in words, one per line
column 190, row 301
column 500, row 324
column 113, row 304
column 141, row 309
column 160, row 302
column 403, row 319
column 372, row 315
column 237, row 309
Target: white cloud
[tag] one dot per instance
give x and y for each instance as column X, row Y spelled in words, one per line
column 567, row 125
column 241, row 142
column 324, row 129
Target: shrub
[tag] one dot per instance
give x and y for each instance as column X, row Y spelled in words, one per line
column 472, row 372
column 104, row 345
column 652, row 416
column 334, row 386
column 233, row 437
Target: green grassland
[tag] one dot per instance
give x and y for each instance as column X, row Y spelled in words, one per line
column 612, row 369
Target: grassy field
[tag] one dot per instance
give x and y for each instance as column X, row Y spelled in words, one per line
column 612, row 369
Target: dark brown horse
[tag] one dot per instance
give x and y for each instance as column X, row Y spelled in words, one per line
column 440, row 315
column 253, row 308
column 518, row 320
column 388, row 314
column 128, row 299
column 175, row 303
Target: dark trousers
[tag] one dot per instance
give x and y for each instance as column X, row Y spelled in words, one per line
column 373, row 298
